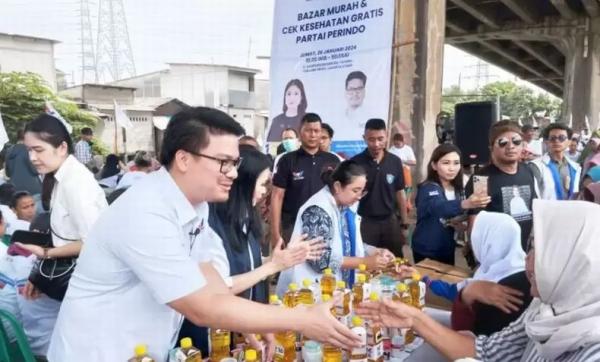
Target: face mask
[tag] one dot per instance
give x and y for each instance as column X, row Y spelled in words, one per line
column 290, row 145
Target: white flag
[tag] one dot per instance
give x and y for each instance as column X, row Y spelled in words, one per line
column 121, row 118
column 3, row 134
column 570, row 124
column 54, row 113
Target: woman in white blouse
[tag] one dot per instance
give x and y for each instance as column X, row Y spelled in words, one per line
column 75, row 201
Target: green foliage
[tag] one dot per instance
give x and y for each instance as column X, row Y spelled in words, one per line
column 516, row 101
column 23, row 97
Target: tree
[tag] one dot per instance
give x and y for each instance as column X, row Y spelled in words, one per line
column 23, row 97
column 516, row 101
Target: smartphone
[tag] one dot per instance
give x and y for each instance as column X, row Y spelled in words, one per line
column 480, row 185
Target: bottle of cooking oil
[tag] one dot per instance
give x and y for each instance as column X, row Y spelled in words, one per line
column 359, row 354
column 362, row 269
column 220, row 344
column 358, row 291
column 330, row 352
column 141, row 354
column 417, row 291
column 404, row 296
column 305, row 295
column 374, row 338
column 285, row 347
column 327, row 282
column 250, row 355
column 193, row 354
column 343, row 308
column 290, row 298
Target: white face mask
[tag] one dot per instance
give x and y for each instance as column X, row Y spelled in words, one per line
column 290, row 145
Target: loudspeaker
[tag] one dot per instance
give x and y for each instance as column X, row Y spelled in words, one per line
column 472, row 122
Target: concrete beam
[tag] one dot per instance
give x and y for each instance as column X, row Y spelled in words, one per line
column 591, row 7
column 523, row 9
column 564, row 9
column 543, row 58
column 514, row 58
column 474, row 8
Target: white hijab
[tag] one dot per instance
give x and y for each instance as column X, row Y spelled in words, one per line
column 567, row 264
column 496, row 243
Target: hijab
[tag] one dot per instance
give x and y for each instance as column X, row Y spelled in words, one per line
column 496, row 243
column 566, row 316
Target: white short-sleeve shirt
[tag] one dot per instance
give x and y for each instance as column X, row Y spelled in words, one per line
column 76, row 203
column 142, row 253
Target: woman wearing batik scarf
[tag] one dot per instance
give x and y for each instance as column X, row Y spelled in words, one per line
column 330, row 214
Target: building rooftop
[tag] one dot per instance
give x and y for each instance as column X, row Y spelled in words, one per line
column 29, row 37
column 231, row 67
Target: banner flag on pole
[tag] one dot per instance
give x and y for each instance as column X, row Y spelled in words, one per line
column 54, row 113
column 121, row 117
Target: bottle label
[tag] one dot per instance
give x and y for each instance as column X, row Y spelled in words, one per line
column 375, row 352
column 366, row 291
column 279, row 352
column 422, row 292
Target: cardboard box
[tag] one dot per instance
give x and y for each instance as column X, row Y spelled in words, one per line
column 448, row 273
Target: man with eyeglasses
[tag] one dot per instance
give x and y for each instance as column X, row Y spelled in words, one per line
column 144, row 266
column 559, row 174
column 510, row 183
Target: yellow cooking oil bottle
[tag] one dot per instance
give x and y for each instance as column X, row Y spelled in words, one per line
column 290, row 298
column 305, row 295
column 193, row 354
column 374, row 338
column 359, row 354
column 328, row 282
column 358, row 291
column 403, row 295
column 330, row 352
column 220, row 344
column 343, row 309
column 141, row 354
column 285, row 347
column 417, row 291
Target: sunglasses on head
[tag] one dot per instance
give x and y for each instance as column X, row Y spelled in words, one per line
column 560, row 138
column 503, row 141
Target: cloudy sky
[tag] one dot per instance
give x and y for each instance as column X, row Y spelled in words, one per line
column 206, row 31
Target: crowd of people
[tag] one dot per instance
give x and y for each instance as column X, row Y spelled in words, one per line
column 153, row 250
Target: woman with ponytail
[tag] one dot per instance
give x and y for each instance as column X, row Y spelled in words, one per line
column 330, row 214
column 74, row 199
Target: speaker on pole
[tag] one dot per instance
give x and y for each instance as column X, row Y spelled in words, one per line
column 472, row 122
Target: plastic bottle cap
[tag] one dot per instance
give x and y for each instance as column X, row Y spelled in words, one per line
column 250, row 355
column 186, row 342
column 357, row 321
column 293, row 287
column 416, row 277
column 401, row 287
column 374, row 297
column 362, row 278
column 328, row 271
column 273, row 298
column 341, row 284
column 306, row 283
column 325, row 298
column 140, row 350
column 362, row 267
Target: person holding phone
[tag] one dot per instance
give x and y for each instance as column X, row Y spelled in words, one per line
column 511, row 184
column 75, row 201
column 440, row 205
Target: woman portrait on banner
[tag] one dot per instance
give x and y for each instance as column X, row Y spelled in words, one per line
column 330, row 214
column 294, row 108
column 75, row 200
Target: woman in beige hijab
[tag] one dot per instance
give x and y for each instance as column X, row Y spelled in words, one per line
column 563, row 321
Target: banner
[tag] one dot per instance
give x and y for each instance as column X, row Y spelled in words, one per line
column 332, row 58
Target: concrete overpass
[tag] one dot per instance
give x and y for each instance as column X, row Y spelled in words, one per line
column 554, row 44
column 551, row 43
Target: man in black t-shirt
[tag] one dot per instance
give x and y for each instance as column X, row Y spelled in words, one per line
column 510, row 183
column 297, row 176
column 385, row 199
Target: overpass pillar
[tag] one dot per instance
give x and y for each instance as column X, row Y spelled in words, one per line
column 418, row 70
column 581, row 96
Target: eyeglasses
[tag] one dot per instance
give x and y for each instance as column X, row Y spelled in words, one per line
column 355, row 90
column 503, row 141
column 226, row 164
column 560, row 138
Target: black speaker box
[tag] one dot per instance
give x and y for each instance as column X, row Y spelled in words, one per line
column 472, row 122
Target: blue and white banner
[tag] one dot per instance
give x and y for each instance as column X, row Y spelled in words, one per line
column 333, row 58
